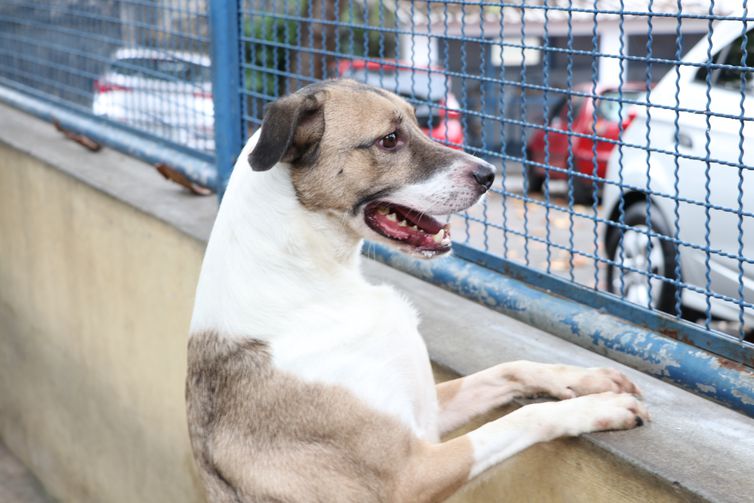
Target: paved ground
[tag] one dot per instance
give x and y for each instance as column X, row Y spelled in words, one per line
column 17, row 484
column 510, row 218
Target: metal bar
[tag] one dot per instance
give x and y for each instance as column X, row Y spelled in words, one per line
column 723, row 345
column 226, row 86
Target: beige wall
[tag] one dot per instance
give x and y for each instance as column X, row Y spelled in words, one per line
column 95, row 298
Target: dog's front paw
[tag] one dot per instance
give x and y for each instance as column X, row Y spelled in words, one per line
column 565, row 381
column 585, row 414
column 603, row 411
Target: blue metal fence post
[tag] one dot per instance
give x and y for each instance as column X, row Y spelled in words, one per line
column 225, row 18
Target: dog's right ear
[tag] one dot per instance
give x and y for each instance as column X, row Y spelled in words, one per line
column 292, row 128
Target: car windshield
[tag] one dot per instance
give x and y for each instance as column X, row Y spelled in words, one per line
column 610, row 109
column 731, row 78
column 421, row 84
column 162, row 69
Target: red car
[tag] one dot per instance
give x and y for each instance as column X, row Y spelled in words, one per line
column 583, row 113
column 441, row 120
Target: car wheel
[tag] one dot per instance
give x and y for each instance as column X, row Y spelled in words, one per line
column 536, row 181
column 636, row 255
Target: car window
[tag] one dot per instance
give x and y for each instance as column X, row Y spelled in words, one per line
column 611, row 110
column 561, row 109
column 557, row 109
column 730, row 78
column 162, row 69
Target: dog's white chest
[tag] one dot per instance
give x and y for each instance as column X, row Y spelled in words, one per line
column 366, row 341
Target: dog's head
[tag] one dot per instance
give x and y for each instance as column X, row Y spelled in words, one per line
column 356, row 152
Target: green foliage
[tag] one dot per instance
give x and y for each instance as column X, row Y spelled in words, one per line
column 379, row 44
column 261, row 30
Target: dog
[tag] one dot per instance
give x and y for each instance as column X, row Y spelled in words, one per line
column 305, row 382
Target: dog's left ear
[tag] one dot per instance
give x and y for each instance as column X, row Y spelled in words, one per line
column 291, row 131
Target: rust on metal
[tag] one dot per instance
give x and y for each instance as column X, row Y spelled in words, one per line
column 172, row 174
column 81, row 139
column 730, row 364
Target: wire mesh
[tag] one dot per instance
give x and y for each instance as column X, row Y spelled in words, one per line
column 621, row 129
column 138, row 63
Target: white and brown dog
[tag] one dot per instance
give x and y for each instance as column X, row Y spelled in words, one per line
column 305, row 382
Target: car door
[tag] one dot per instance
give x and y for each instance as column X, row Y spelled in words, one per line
column 724, row 209
column 561, row 144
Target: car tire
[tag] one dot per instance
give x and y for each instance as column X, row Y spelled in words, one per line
column 635, row 285
column 535, row 181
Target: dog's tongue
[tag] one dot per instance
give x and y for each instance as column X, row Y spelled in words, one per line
column 422, row 220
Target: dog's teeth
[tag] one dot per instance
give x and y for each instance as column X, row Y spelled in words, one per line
column 382, row 210
column 415, row 228
column 402, row 223
column 439, row 236
column 392, row 217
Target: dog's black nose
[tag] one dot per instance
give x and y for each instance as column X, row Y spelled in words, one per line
column 484, row 174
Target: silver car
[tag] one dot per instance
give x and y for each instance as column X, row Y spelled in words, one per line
column 165, row 93
column 715, row 208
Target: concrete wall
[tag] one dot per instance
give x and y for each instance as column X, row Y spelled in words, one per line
column 95, row 299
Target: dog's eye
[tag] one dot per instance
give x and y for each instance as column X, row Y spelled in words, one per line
column 389, row 142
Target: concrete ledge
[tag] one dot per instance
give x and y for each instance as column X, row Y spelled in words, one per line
column 694, row 450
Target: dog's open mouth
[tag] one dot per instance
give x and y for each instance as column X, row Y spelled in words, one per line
column 418, row 230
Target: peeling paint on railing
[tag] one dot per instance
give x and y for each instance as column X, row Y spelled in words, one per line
column 696, row 370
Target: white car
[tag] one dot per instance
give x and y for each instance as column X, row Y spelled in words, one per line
column 165, row 93
column 731, row 189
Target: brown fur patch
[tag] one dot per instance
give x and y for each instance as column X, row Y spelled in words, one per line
column 437, row 471
column 336, row 162
column 260, row 434
column 448, row 390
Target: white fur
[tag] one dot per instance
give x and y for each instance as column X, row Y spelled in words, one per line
column 524, row 427
column 449, row 190
column 277, row 272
